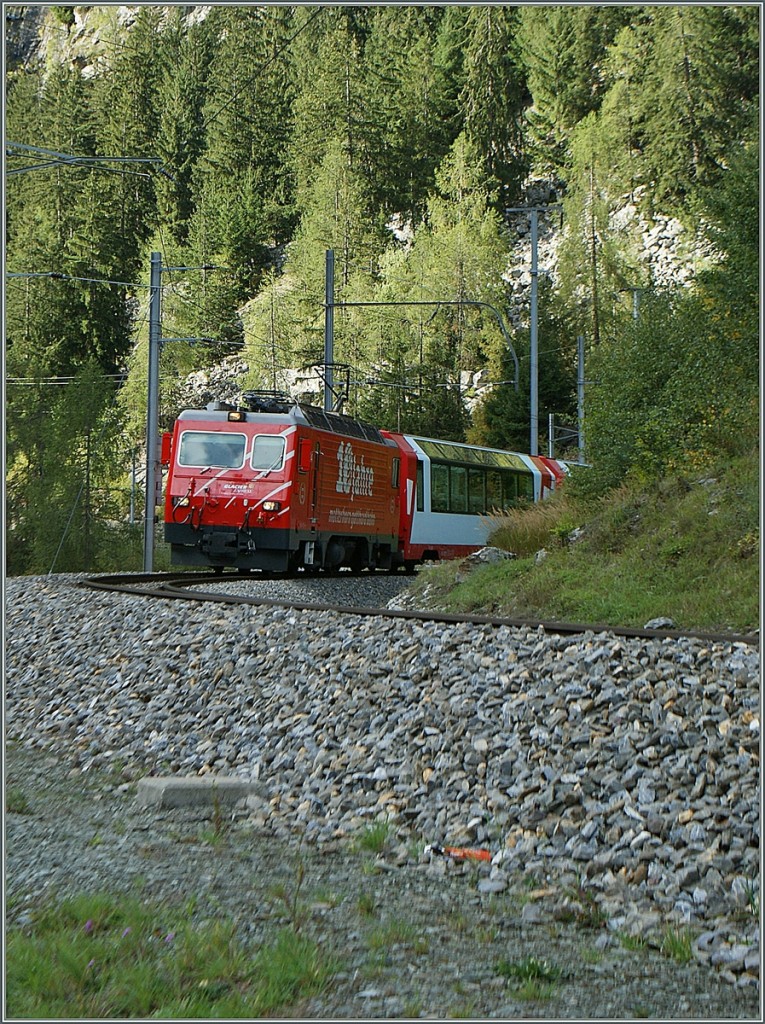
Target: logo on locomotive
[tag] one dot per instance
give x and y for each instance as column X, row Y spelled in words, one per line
column 353, row 478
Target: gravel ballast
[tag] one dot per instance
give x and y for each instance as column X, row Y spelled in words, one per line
column 614, row 782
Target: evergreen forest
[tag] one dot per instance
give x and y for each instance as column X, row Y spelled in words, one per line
column 405, row 139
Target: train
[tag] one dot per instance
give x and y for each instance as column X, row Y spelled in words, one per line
column 281, row 486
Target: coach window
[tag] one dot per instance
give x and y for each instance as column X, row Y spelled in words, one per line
column 458, row 489
column 526, row 486
column 509, row 488
column 494, row 499
column 396, row 472
column 419, row 489
column 210, row 449
column 268, row 452
column 439, row 487
column 476, row 491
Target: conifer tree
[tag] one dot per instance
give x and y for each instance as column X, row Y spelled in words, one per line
column 700, row 84
column 406, row 133
column 187, row 53
column 563, row 48
column 494, row 94
column 456, row 255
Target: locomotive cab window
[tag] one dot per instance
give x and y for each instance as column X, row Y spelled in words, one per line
column 208, row 449
column 268, row 452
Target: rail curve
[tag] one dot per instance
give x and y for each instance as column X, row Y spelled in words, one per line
column 183, row 586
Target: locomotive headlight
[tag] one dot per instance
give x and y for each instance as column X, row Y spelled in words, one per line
column 181, row 502
column 237, row 417
column 272, row 506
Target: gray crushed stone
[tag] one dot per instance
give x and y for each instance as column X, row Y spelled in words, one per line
column 614, row 782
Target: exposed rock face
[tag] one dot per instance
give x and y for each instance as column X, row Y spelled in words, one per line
column 23, row 29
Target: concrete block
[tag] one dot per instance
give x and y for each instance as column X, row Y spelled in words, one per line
column 193, row 790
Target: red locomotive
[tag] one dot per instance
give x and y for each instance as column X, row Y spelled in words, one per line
column 280, row 486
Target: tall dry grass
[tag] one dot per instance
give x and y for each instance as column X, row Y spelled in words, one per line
column 528, row 528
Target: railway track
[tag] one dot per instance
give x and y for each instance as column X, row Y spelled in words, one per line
column 185, row 586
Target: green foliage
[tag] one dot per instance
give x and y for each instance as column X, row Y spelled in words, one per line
column 494, row 94
column 374, row 838
column 101, row 956
column 530, row 527
column 64, row 14
column 62, row 443
column 533, row 979
column 502, row 420
column 687, row 550
column 563, row 48
column 396, row 136
column 671, row 390
column 676, row 943
column 700, row 85
column 16, row 801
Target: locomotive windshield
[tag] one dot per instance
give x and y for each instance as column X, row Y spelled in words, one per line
column 268, row 452
column 208, row 449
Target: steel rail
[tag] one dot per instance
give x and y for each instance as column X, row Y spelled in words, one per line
column 177, row 586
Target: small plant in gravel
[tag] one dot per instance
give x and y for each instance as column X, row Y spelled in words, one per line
column 374, row 838
column 635, row 943
column 676, row 943
column 415, row 849
column 396, row 933
column 641, row 1011
column 366, row 905
column 291, row 899
column 534, row 980
column 16, row 801
column 412, row 1007
column 465, row 1011
column 325, row 898
column 753, row 896
column 101, row 957
column 457, row 921
column 582, row 908
column 215, row 835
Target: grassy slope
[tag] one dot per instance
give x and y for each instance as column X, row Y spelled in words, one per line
column 686, row 548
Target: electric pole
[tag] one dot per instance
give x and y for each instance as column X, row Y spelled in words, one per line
column 153, row 470
column 329, row 330
column 534, row 211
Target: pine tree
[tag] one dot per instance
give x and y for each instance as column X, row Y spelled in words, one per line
column 329, row 105
column 406, row 134
column 700, row 84
column 563, row 48
column 494, row 95
column 596, row 261
column 457, row 255
column 187, row 52
column 503, row 418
